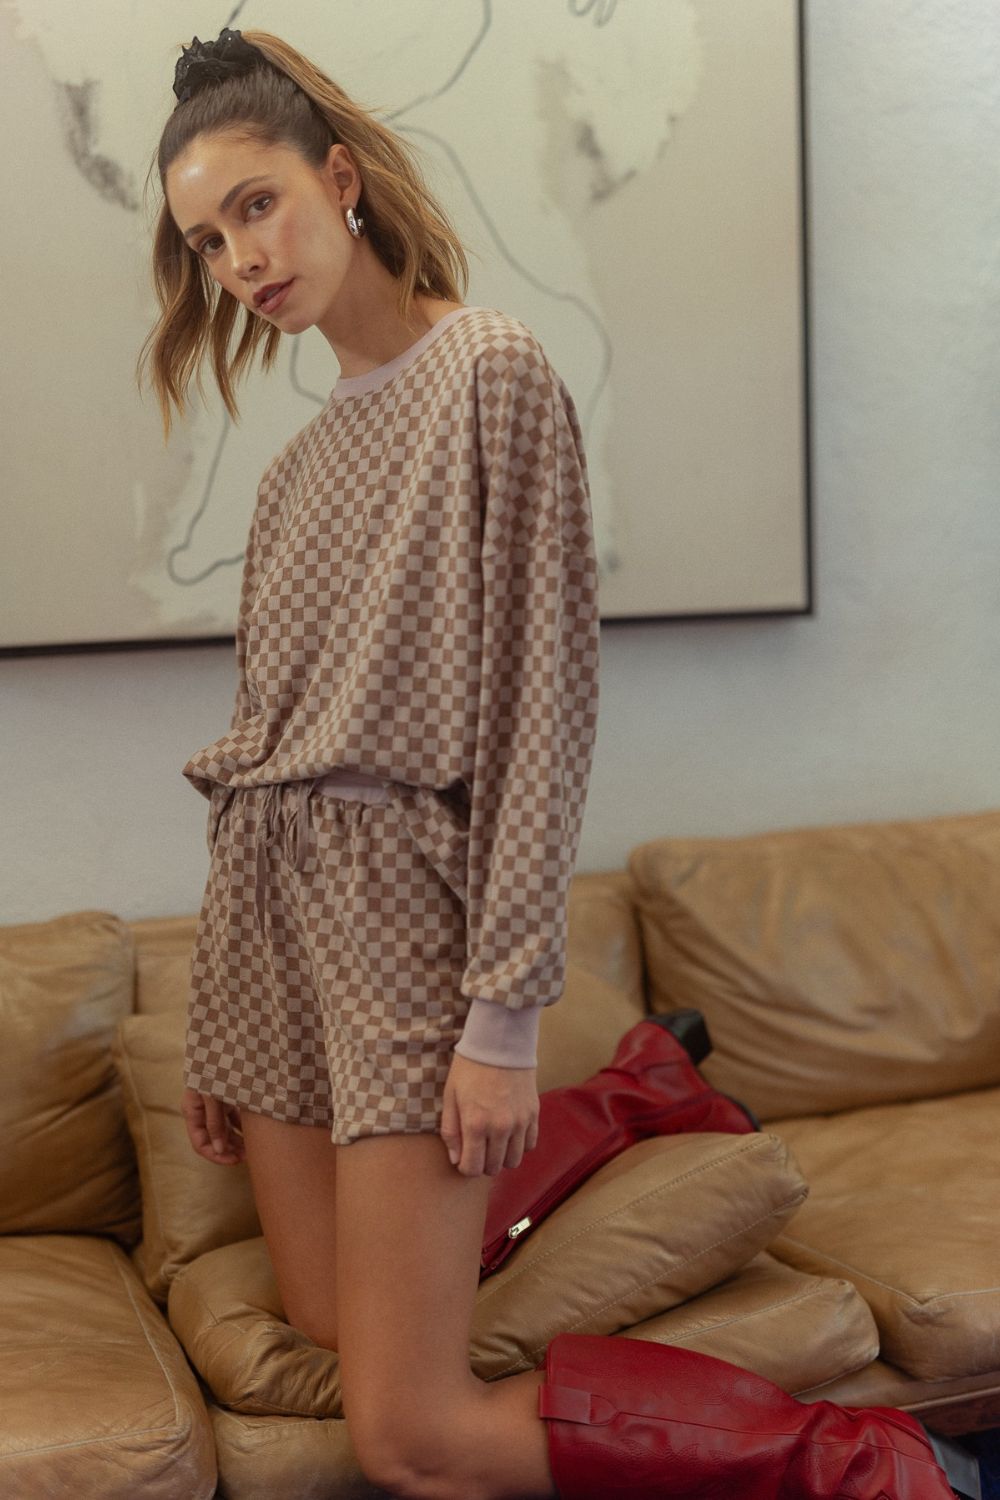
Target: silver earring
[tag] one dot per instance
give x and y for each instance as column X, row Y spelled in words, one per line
column 355, row 223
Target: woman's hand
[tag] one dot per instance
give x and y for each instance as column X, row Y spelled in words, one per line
column 213, row 1128
column 490, row 1116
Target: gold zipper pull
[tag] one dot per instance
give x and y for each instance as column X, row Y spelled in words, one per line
column 518, row 1228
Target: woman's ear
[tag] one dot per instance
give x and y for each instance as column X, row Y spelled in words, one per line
column 341, row 174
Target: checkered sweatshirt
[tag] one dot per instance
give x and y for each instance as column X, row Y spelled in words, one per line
column 420, row 602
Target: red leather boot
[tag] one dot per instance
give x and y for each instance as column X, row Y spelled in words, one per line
column 650, row 1087
column 631, row 1418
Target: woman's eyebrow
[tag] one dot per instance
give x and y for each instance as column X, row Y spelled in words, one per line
column 226, row 201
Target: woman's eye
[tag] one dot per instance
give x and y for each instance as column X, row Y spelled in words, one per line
column 206, row 244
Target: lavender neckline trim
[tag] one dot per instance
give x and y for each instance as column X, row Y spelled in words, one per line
column 360, row 385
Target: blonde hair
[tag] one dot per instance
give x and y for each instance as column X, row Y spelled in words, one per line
column 287, row 100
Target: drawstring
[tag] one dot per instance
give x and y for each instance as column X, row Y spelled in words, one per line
column 294, row 834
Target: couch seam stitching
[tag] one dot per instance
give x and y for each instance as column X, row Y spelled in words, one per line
column 156, row 1353
column 757, row 1312
column 126, row 1058
column 918, row 1302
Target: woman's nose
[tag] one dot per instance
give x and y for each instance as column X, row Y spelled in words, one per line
column 246, row 259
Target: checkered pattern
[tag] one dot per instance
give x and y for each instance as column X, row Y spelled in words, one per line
column 420, row 602
column 343, row 1011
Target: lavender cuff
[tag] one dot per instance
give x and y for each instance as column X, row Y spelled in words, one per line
column 502, row 1037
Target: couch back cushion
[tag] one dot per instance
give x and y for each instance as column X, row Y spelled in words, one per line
column 603, row 931
column 163, row 948
column 579, row 1034
column 67, row 1162
column 603, row 940
column 189, row 1205
column 836, row 967
column 604, row 994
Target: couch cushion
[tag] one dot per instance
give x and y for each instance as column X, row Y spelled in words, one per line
column 603, row 930
column 951, row 1407
column 97, row 1397
column 580, row 1033
column 226, row 1310
column 795, row 1329
column 662, row 1221
column 837, row 967
column 162, row 962
column 903, row 1202
column 659, row 1223
column 603, row 941
column 189, row 1205
column 67, row 1162
column 768, row 1318
column 295, row 1458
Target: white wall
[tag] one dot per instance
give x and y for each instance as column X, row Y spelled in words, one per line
column 885, row 704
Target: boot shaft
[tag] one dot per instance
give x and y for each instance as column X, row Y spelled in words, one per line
column 631, row 1418
column 650, row 1087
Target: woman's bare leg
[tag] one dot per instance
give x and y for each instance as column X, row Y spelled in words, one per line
column 293, row 1170
column 409, row 1240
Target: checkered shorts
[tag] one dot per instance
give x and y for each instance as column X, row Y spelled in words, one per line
column 328, row 957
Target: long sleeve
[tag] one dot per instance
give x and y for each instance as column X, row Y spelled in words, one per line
column 242, row 706
column 206, row 768
column 538, row 697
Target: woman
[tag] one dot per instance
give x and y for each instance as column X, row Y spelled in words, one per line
column 395, row 813
column 418, row 609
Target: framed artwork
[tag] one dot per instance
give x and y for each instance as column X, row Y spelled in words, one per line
column 628, row 177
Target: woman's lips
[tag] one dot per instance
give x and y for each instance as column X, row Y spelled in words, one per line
column 270, row 304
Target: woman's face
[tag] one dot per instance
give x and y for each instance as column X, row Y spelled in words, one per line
column 260, row 216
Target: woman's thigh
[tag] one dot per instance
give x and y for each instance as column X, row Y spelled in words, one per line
column 409, row 1244
column 293, row 1170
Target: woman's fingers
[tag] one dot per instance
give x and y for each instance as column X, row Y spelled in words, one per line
column 213, row 1128
column 490, row 1114
column 216, row 1124
column 193, row 1110
column 515, row 1149
column 226, row 1138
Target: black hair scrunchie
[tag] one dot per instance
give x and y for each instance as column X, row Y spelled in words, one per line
column 209, row 62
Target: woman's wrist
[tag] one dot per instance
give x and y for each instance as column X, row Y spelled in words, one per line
column 499, row 1036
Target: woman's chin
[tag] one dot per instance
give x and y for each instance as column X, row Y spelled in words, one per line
column 290, row 322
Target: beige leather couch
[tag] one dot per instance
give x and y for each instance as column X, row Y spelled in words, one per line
column 851, row 980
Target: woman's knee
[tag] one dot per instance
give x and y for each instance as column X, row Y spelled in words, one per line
column 409, row 1239
column 412, row 1458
